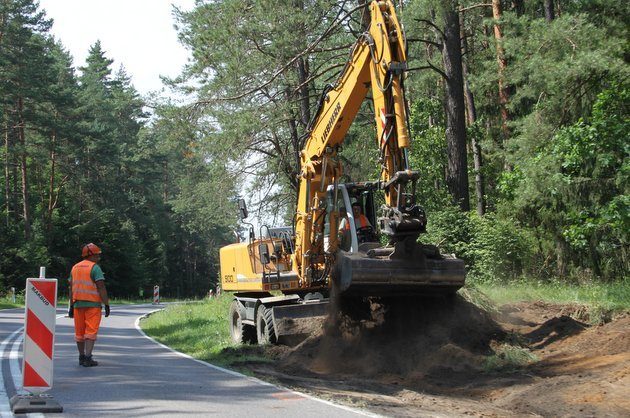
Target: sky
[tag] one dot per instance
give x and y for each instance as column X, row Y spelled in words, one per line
column 137, row 34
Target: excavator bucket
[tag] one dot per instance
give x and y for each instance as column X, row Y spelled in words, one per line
column 396, row 271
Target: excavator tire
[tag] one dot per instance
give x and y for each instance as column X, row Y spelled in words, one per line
column 241, row 333
column 264, row 326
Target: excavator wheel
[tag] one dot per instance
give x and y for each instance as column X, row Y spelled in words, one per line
column 264, row 326
column 241, row 333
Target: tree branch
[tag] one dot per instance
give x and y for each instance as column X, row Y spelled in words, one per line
column 259, row 48
column 275, row 75
column 434, row 68
column 313, row 77
column 428, row 22
column 426, row 41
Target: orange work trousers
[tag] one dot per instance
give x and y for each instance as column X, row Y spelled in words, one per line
column 86, row 323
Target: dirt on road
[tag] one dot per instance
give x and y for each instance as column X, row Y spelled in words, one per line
column 437, row 357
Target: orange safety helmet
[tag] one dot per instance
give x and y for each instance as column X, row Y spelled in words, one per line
column 90, row 249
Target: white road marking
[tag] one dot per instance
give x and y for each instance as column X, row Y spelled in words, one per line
column 16, row 370
column 252, row 379
column 5, row 407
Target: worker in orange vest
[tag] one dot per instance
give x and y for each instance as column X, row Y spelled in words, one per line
column 360, row 220
column 88, row 293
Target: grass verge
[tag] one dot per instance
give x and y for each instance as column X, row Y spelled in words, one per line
column 201, row 330
column 605, row 296
column 6, row 301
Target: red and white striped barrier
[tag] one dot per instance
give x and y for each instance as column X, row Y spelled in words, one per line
column 156, row 295
column 39, row 334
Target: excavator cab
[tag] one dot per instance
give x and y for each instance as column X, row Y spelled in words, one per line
column 355, row 203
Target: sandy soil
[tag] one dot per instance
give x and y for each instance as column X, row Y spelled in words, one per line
column 449, row 358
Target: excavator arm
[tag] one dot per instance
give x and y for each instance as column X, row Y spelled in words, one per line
column 377, row 64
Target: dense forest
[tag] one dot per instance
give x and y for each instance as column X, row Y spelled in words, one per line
column 519, row 113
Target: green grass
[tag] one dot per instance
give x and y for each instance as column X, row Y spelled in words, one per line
column 509, row 357
column 605, row 296
column 6, row 301
column 201, row 330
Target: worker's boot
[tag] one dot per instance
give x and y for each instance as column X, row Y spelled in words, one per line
column 89, row 362
column 81, row 359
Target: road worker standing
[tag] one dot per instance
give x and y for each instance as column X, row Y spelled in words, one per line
column 88, row 293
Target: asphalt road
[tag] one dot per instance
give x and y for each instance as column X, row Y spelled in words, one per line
column 137, row 377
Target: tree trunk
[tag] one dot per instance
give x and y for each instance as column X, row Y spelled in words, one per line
column 504, row 94
column 165, row 180
column 594, row 254
column 26, row 211
column 471, row 113
column 295, row 142
column 562, row 256
column 51, row 183
column 457, row 170
column 549, row 12
column 365, row 14
column 305, row 107
column 7, row 183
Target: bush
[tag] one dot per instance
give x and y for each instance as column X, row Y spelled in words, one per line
column 494, row 249
column 499, row 249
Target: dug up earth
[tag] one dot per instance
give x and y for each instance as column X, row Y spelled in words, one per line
column 436, row 359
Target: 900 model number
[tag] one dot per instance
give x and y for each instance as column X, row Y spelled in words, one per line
column 228, row 278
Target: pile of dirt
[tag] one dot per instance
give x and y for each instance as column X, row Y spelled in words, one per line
column 405, row 338
column 429, row 357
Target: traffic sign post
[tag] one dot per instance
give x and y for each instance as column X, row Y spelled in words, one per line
column 39, row 344
column 156, row 295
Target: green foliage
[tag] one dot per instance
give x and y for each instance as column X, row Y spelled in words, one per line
column 495, row 250
column 500, row 250
column 81, row 163
column 6, row 299
column 509, row 357
column 428, row 152
column 261, row 103
column 576, row 186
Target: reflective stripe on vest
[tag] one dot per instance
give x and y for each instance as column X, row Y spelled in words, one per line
column 83, row 287
column 362, row 220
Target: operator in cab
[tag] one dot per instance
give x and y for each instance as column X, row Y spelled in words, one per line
column 360, row 220
column 361, row 223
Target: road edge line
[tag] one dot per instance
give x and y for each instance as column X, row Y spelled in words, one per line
column 250, row 378
column 5, row 408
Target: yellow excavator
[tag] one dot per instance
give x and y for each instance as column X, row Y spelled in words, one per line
column 332, row 248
